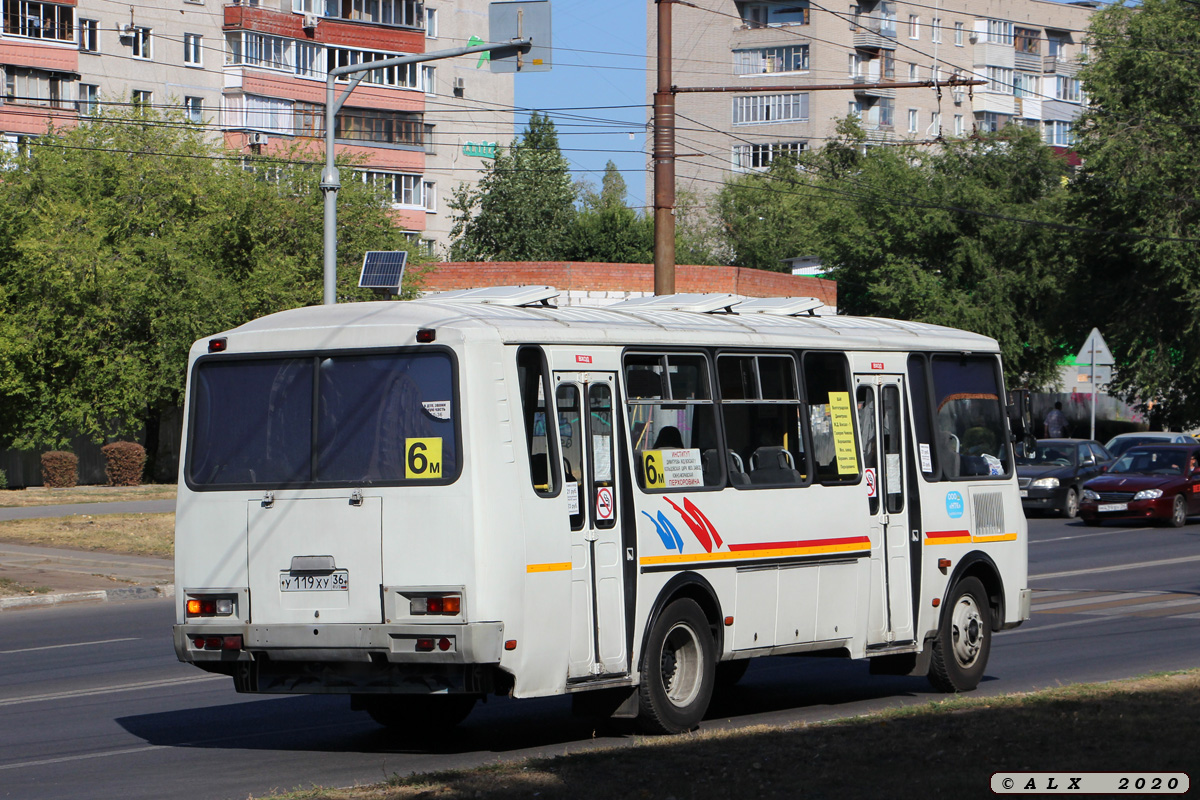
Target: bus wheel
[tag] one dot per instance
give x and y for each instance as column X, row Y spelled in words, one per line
column 960, row 651
column 417, row 713
column 678, row 668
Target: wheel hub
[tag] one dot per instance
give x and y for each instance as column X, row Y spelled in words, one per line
column 967, row 631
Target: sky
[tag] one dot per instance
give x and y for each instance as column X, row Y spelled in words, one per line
column 596, row 89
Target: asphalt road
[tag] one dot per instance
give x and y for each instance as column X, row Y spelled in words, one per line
column 93, row 703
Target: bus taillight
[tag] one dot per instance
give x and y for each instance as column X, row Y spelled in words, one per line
column 232, row 642
column 450, row 604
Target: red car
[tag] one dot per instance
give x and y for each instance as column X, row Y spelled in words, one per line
column 1147, row 482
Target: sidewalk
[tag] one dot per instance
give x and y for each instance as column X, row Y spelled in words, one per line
column 79, row 576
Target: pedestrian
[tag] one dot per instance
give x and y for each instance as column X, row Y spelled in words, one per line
column 1055, row 423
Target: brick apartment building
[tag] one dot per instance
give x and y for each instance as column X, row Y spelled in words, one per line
column 1028, row 51
column 254, row 71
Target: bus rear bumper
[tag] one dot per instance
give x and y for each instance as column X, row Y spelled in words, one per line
column 464, row 643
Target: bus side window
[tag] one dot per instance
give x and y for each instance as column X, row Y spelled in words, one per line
column 831, row 416
column 534, row 385
column 929, row 453
column 670, row 411
column 970, row 416
column 760, row 406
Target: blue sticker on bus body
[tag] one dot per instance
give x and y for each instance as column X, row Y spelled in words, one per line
column 954, row 504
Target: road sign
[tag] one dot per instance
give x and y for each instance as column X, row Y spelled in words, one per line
column 1095, row 351
column 523, row 19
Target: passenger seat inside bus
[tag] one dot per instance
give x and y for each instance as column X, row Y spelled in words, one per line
column 710, row 463
column 773, row 464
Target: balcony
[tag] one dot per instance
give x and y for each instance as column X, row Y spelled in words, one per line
column 869, row 86
column 1058, row 65
column 873, row 33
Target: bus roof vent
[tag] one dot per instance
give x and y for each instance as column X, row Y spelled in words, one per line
column 699, row 303
column 512, row 296
column 780, row 306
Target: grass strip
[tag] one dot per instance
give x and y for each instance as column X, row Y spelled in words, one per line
column 41, row 496
column 131, row 534
column 947, row 748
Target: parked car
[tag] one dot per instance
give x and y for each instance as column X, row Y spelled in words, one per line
column 1148, row 482
column 1052, row 474
column 1123, row 441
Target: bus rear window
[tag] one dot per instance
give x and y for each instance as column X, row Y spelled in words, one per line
column 330, row 419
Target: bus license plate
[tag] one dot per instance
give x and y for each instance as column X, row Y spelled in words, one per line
column 1112, row 507
column 336, row 581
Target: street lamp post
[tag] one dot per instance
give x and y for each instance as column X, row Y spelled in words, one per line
column 330, row 177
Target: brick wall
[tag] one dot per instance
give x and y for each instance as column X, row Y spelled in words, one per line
column 631, row 279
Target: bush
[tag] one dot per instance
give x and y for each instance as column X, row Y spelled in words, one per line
column 60, row 470
column 3, row 479
column 123, row 463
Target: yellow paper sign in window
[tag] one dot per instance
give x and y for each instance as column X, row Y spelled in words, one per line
column 423, row 458
column 842, row 419
column 652, row 469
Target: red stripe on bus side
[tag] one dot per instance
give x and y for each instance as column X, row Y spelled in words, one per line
column 863, row 540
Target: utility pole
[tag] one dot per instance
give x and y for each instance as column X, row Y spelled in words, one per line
column 664, row 159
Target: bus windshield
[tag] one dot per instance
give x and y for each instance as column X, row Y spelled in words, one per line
column 353, row 419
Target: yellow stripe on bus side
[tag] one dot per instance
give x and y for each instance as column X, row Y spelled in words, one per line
column 560, row 566
column 747, row 554
column 1004, row 537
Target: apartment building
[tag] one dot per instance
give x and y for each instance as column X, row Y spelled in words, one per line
column 255, row 70
column 1028, row 52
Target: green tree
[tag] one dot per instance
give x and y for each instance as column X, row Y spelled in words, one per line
column 126, row 239
column 608, row 230
column 1139, row 184
column 522, row 208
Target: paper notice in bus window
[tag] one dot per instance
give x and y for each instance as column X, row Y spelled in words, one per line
column 672, row 469
column 601, row 457
column 842, row 419
column 893, row 473
column 438, row 409
column 572, row 491
column 926, row 457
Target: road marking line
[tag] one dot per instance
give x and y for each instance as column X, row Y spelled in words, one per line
column 74, row 644
column 1087, row 535
column 1102, row 600
column 1119, row 568
column 129, row 687
column 65, row 759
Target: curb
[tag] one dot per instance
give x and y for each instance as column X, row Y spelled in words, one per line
column 100, row 595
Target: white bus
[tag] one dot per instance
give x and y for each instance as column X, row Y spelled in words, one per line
column 422, row 503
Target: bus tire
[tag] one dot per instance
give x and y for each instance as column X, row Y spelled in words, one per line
column 419, row 713
column 964, row 639
column 678, row 670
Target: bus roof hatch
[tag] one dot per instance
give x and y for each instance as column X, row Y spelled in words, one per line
column 513, row 296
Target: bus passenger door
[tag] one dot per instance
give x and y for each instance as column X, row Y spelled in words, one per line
column 586, row 404
column 883, row 427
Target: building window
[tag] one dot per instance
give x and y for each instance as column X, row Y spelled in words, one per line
column 762, row 15
column 912, row 120
column 431, row 23
column 429, row 79
column 770, row 108
column 759, row 156
column 142, row 98
column 429, row 148
column 142, row 43
column 193, row 53
column 1000, row 79
column 791, row 58
column 958, row 124
column 382, row 127
column 405, row 13
column 935, row 32
column 855, row 109
column 912, row 72
column 429, row 189
column 308, row 119
column 914, row 26
column 254, row 112
column 935, row 122
column 990, row 122
column 1025, row 84
column 1026, row 40
column 89, row 35
column 402, row 77
column 308, row 6
column 958, row 34
column 193, row 107
column 887, row 112
column 401, row 189
column 1059, row 133
column 310, row 60
column 999, row 31
column 39, row 20
column 1066, row 88
column 249, row 49
column 35, row 87
column 89, row 100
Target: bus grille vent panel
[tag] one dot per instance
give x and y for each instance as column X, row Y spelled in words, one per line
column 989, row 514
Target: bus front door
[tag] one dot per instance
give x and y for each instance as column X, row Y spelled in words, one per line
column 882, row 422
column 586, row 405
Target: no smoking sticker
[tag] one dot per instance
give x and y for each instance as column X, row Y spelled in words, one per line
column 604, row 503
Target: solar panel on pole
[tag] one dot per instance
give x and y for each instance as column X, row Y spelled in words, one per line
column 383, row 269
